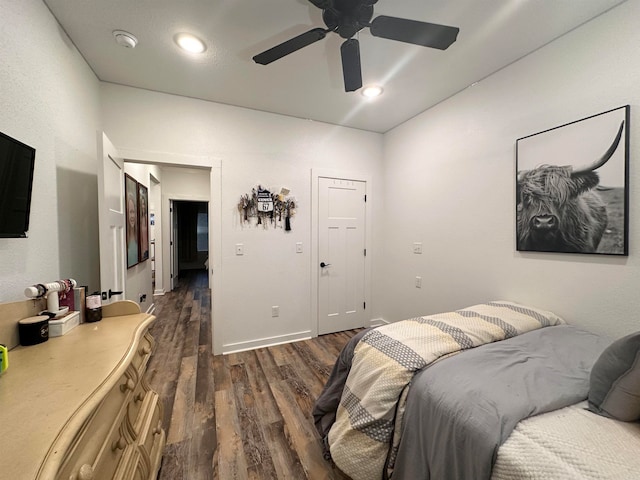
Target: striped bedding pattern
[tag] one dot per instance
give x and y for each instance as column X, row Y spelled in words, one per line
column 384, row 362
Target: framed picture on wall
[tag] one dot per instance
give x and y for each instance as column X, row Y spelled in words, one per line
column 131, row 199
column 572, row 192
column 143, row 222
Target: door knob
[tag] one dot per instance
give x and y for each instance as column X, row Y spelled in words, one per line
column 322, row 264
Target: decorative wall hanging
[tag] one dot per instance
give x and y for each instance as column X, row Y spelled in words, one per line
column 267, row 208
column 143, row 212
column 572, row 190
column 137, row 208
column 131, row 199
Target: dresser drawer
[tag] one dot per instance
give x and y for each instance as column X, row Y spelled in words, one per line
column 157, row 447
column 128, row 463
column 112, row 453
column 139, row 399
column 136, row 466
column 152, row 426
column 103, row 424
column 141, row 471
column 143, row 352
column 105, row 463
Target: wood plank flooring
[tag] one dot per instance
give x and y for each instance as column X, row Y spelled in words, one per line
column 240, row 416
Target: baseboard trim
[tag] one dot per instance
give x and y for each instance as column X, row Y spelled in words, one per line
column 377, row 322
column 265, row 342
column 158, row 292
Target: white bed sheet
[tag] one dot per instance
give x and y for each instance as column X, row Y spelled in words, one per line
column 570, row 444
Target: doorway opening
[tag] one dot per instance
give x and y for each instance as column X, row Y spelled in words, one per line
column 189, row 238
column 183, row 178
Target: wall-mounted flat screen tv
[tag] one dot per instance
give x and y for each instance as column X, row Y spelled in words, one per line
column 16, row 180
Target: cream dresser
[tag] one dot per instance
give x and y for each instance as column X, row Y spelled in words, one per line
column 77, row 407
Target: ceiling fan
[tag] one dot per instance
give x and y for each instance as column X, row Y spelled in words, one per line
column 348, row 17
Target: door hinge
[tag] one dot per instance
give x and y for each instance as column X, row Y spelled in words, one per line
column 365, row 252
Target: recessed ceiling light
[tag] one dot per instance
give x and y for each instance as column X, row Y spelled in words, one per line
column 372, row 91
column 125, row 39
column 190, row 43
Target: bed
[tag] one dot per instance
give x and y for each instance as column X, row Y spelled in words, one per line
column 495, row 391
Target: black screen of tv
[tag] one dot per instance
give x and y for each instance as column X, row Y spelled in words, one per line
column 16, row 179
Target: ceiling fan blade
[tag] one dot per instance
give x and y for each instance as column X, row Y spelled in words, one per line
column 290, row 46
column 351, row 70
column 412, row 31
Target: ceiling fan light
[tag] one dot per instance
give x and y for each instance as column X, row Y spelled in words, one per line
column 190, row 43
column 372, row 91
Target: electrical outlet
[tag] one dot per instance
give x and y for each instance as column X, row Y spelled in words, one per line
column 417, row 247
column 418, row 282
column 275, row 311
column 239, row 249
column 298, row 247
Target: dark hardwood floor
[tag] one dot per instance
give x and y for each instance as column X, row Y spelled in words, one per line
column 240, row 416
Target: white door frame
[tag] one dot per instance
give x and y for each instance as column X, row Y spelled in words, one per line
column 155, row 195
column 317, row 173
column 172, row 244
column 169, row 202
column 215, row 221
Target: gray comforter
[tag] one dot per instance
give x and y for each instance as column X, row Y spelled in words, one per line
column 460, row 410
column 324, row 410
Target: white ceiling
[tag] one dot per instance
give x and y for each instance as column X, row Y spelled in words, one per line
column 308, row 83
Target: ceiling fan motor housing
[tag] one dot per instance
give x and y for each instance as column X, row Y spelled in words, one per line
column 348, row 17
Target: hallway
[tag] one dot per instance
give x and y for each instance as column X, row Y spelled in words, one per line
column 181, row 371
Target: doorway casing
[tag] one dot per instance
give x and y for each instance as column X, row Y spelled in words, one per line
column 214, row 165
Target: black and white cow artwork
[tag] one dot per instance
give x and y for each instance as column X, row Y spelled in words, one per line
column 559, row 209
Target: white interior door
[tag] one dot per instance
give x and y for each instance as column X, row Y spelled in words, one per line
column 111, row 221
column 341, row 253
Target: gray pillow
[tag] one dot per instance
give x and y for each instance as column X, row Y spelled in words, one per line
column 614, row 389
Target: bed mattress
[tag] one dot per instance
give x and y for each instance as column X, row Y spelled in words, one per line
column 570, row 444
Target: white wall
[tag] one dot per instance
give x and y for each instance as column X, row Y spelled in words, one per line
column 250, row 148
column 49, row 99
column 138, row 279
column 449, row 183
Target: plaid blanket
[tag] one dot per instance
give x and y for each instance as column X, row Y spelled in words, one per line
column 366, row 432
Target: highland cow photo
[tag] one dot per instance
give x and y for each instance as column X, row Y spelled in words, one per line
column 572, row 187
